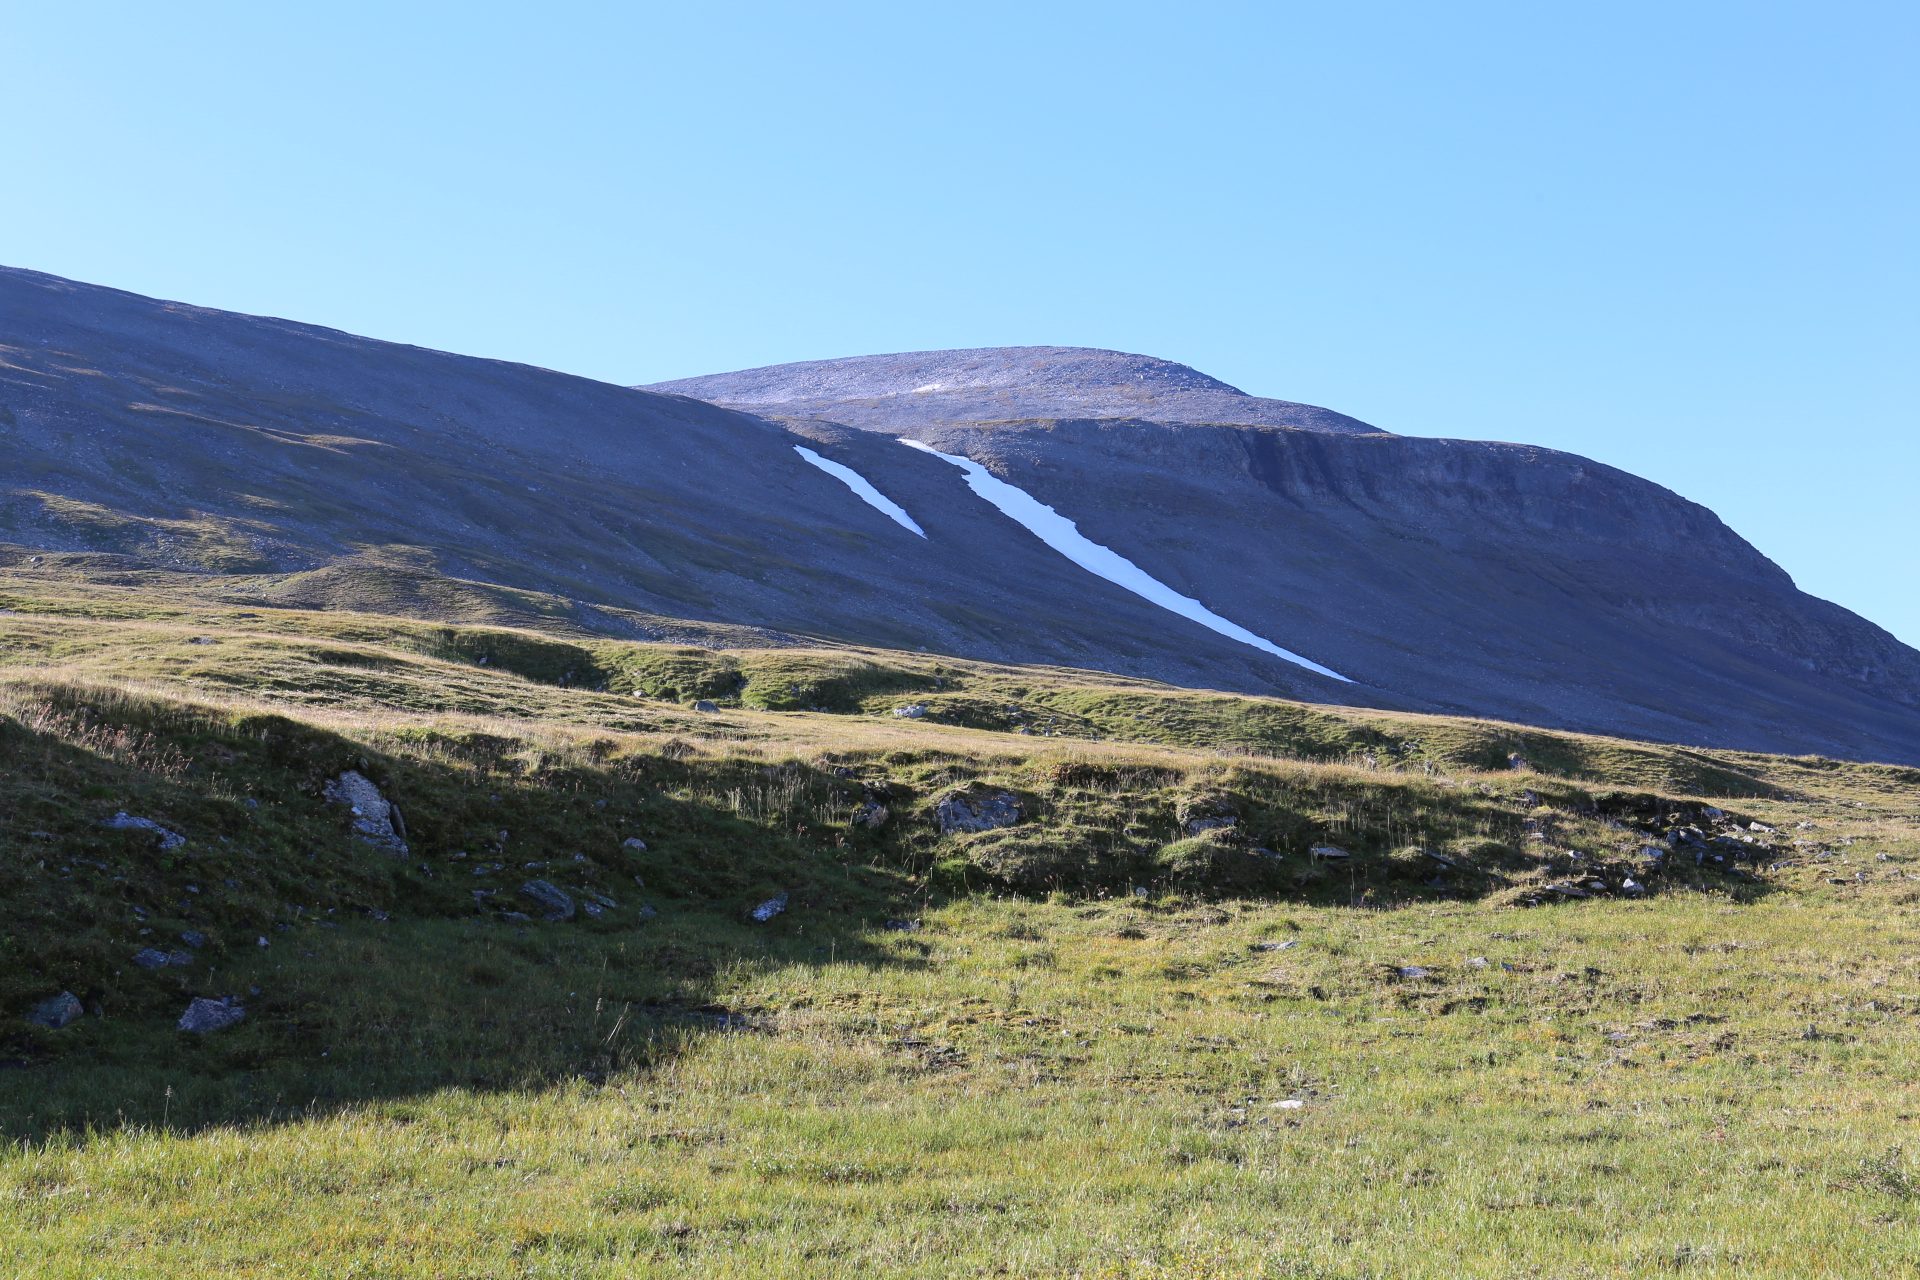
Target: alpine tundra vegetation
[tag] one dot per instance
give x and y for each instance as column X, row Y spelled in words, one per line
column 1075, row 975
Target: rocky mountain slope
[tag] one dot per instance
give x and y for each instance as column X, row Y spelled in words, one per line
column 311, row 466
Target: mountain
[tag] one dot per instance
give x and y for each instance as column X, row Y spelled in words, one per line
column 1134, row 516
column 999, row 383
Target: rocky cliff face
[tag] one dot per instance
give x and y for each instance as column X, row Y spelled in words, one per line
column 1452, row 576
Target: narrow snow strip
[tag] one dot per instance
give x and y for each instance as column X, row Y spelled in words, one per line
column 858, row 483
column 1065, row 537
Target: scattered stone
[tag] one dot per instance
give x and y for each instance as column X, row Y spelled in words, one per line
column 1198, row 825
column 1327, row 851
column 557, row 904
column 1275, row 946
column 148, row 958
column 1264, row 853
column 1414, row 971
column 1288, row 1104
column 872, row 816
column 1630, row 885
column 516, row 917
column 261, row 940
column 600, row 898
column 903, row 926
column 648, row 911
column 374, row 818
column 706, row 704
column 58, row 1012
column 205, row 1015
column 769, row 909
column 1142, row 892
column 194, row 940
column 1478, row 962
column 634, row 842
column 912, row 711
column 593, row 909
column 125, row 821
column 978, row 809
column 180, row 959
column 1517, row 763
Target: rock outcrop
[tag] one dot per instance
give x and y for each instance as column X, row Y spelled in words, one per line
column 375, row 818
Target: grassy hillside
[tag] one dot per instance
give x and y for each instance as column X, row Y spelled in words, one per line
column 1056, row 1048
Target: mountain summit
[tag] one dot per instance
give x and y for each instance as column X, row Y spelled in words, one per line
column 992, row 384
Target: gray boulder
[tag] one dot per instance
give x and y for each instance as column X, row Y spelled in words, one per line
column 978, row 809
column 58, row 1012
column 125, row 821
column 375, row 819
column 555, row 903
column 706, row 704
column 148, row 958
column 204, row 1015
column 769, row 909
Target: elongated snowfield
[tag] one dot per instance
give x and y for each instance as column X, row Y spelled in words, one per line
column 1065, row 537
column 866, row 492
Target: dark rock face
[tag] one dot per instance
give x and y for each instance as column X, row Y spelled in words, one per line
column 992, row 384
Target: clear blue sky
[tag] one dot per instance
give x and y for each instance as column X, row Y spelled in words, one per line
column 1676, row 237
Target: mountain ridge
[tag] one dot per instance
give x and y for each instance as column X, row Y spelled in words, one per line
column 1451, row 577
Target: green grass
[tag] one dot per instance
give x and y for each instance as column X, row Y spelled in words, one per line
column 1019, row 1086
column 1049, row 1075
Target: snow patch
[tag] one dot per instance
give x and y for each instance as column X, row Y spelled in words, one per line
column 1065, row 537
column 865, row 491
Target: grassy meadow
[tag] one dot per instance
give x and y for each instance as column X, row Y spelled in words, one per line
column 1094, row 1043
